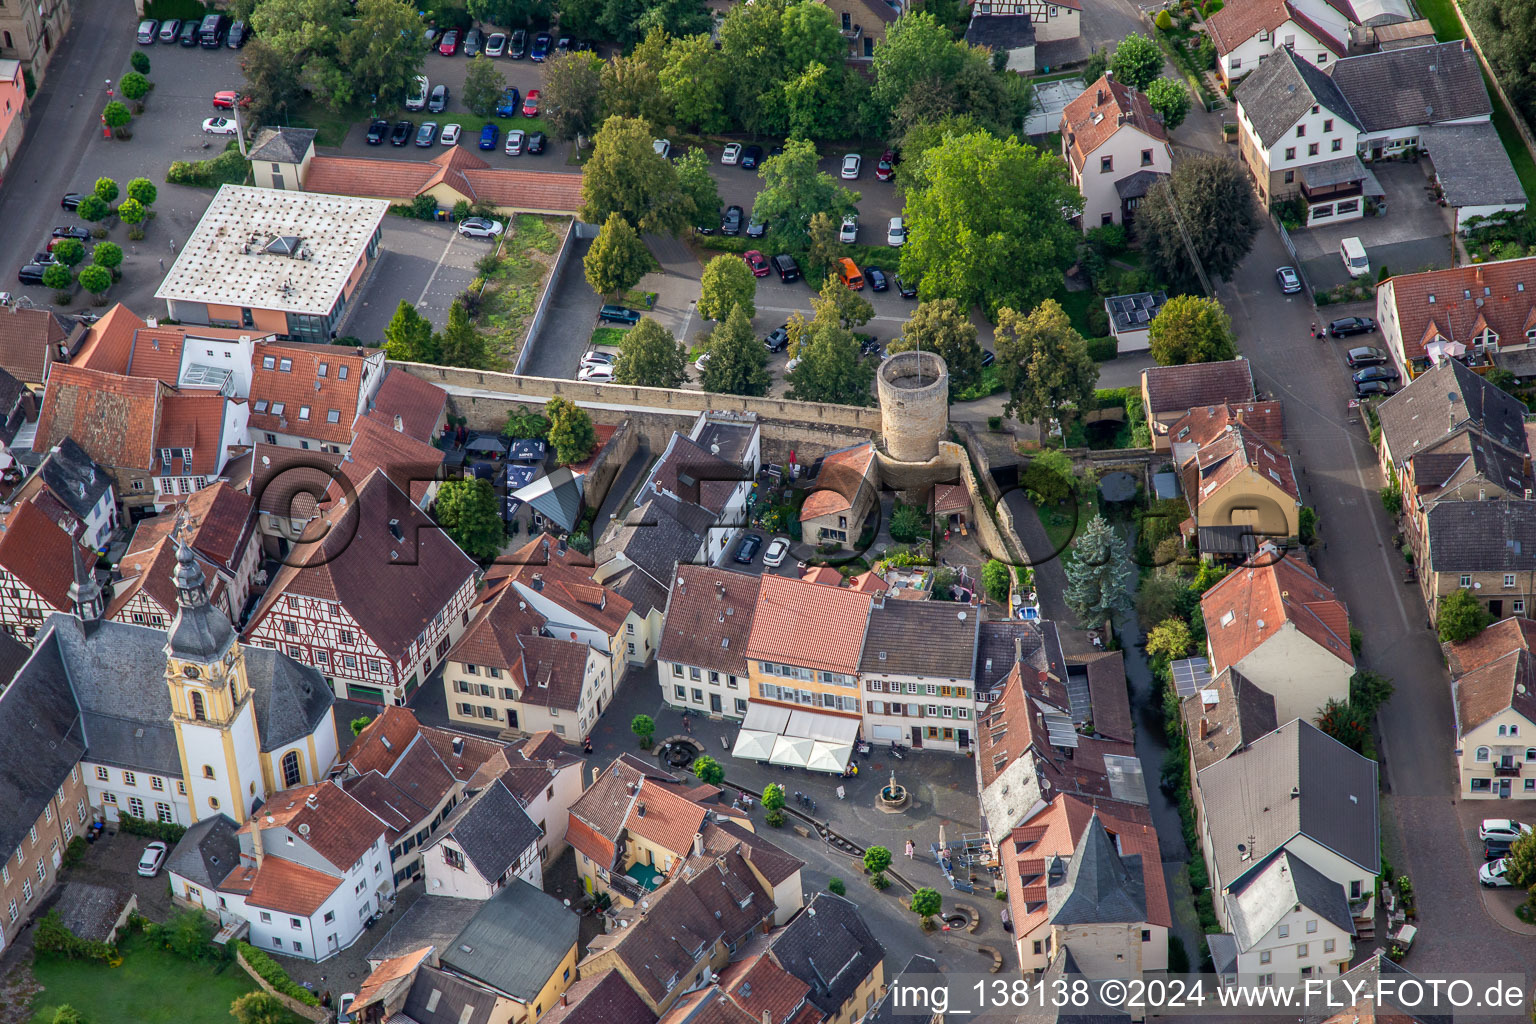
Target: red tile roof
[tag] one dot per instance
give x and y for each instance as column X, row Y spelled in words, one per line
column 291, row 888
column 758, row 984
column 303, row 385
column 843, row 475
column 1264, row 597
column 418, row 404
column 291, row 482
column 1503, row 294
column 588, row 841
column 564, row 577
column 362, row 176
column 535, row 191
column 109, row 342
column 1227, row 458
column 390, row 971
column 1494, row 670
column 339, row 828
column 1181, row 388
column 709, row 618
column 670, row 821
column 492, row 636
column 195, row 420
column 115, row 419
column 29, row 339
column 149, row 571
column 461, row 170
column 808, row 625
column 409, row 463
column 1204, row 423
column 1241, row 20
column 156, row 353
column 1090, row 120
column 37, row 551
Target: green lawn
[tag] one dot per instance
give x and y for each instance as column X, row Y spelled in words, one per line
column 1076, row 305
column 151, row 987
column 607, row 337
column 1442, row 17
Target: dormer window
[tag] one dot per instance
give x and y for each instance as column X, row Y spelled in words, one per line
column 285, row 365
column 268, row 362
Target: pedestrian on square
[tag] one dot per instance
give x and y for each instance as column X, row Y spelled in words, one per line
column 910, row 849
column 1314, row 329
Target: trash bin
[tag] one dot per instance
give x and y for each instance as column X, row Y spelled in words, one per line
column 442, row 214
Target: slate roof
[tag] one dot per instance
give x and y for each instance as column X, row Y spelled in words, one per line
column 709, row 618
column 1482, row 536
column 1098, row 886
column 115, row 419
column 515, row 941
column 1470, row 163
column 1247, row 800
column 208, row 851
column 72, row 478
column 789, row 611
column 1282, row 883
column 1282, row 89
column 41, row 740
column 1414, row 85
column 430, row 921
column 1181, row 388
column 1377, row 974
column 1251, row 605
column 602, row 998
column 1446, row 398
column 26, row 335
column 830, row 948
column 1138, row 184
column 282, row 145
column 492, row 829
column 690, row 472
column 999, row 32
column 1493, row 671
column 918, row 970
column 437, row 997
column 921, row 638
column 1240, row 714
column 649, row 542
column 1038, row 643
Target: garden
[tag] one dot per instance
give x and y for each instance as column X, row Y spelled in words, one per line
column 1191, row 50
column 510, row 281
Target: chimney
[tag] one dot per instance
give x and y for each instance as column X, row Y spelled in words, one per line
column 640, row 809
column 565, row 999
column 1205, row 727
column 698, row 844
column 538, row 581
column 458, row 746
column 767, row 1017
column 719, row 590
column 256, row 848
column 1018, row 649
column 596, row 773
column 312, row 801
column 399, row 424
column 1098, row 99
column 1478, row 273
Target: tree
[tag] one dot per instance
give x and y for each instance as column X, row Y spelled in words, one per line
column 908, row 523
column 1192, row 329
column 839, row 304
column 644, row 727
column 752, row 52
column 1369, row 690
column 694, row 80
column 359, row 724
column 259, row 1008
column 107, row 254
column 471, row 513
column 382, row 53
column 131, row 211
column 926, row 903
column 649, row 356
column 876, row 859
column 67, row 1014
column 727, row 282
column 773, row 797
column 483, row 85
column 139, row 61
column 1461, row 617
column 1345, row 723
column 618, row 258
column 1160, row 597
column 142, row 190
column 996, row 580
column 1137, row 61
column 831, row 369
column 271, row 81
column 941, row 326
column 1044, row 364
column 1213, row 199
column 1098, row 63
column 917, row 52
column 1048, row 477
column 57, row 276
column 570, row 430
column 69, row 251
column 573, row 90
column 1098, row 574
column 133, row 86
column 306, row 35
column 524, row 423
column 824, row 248
column 811, row 35
column 813, row 99
column 738, row 361
column 699, row 187
column 1170, row 98
column 459, row 344
column 408, row 336
column 512, row 13
column 116, row 115
column 625, row 175
column 985, row 223
column 708, row 771
column 1520, row 861
column 1170, row 639
column 93, row 208
column 795, row 189
column 631, row 87
column 95, row 279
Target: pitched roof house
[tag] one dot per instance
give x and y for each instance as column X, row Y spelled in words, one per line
column 1249, row 33
column 1225, row 715
column 1284, row 630
column 115, row 419
column 1239, row 479
column 559, row 583
column 40, row 565
column 1489, row 308
column 1116, row 147
column 601, row 998
column 701, row 660
column 309, row 396
column 1493, row 691
column 30, row 341
column 1281, row 900
column 75, row 492
column 521, row 945
column 846, row 489
column 831, row 948
column 1170, row 392
column 920, row 644
column 1487, row 548
column 486, row 843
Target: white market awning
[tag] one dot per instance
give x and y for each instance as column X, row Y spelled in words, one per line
column 832, row 728
column 765, row 717
column 792, row 750
column 754, row 745
column 830, row 757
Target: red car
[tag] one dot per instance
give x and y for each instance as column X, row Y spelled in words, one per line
column 450, row 44
column 531, row 103
column 225, row 100
column 886, row 167
column 757, row 261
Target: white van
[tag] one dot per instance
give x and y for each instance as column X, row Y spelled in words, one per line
column 1353, row 255
column 417, row 98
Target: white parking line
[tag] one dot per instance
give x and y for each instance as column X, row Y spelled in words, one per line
column 420, row 299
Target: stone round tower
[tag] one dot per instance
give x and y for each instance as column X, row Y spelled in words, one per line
column 914, row 404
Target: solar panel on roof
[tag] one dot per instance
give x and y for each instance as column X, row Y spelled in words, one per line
column 1190, row 675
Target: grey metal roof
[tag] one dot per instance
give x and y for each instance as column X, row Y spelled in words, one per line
column 291, row 698
column 431, row 921
column 40, row 741
column 1415, row 85
column 199, row 630
column 207, row 852
column 1482, row 536
column 283, row 145
column 557, row 495
column 1282, row 89
column 1471, row 165
column 437, row 997
column 515, row 941
column 73, row 478
column 492, row 829
column 829, row 947
column 1279, row 885
column 1000, row 32
column 1100, row 886
column 1251, row 809
column 1135, row 186
column 1335, row 172
column 922, row 638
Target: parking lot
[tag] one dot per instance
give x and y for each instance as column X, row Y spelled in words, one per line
column 1414, row 234
column 425, row 263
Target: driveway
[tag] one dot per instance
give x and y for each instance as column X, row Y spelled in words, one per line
column 1414, row 234
column 424, row 263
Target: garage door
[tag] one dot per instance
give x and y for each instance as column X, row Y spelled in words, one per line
column 888, row 732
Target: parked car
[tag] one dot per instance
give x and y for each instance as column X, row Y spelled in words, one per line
column 701, row 362
column 777, row 549
column 1491, row 876
column 1290, row 281
column 31, row 273
column 531, row 103
column 751, row 157
column 377, row 131
column 1365, row 356
column 597, row 359
column 756, row 228
column 188, row 35
column 1373, row 389
column 747, row 550
column 730, row 224
column 731, row 154
column 79, row 234
column 154, row 856
column 472, row 40
column 344, row 1008
column 778, row 339
column 852, row 163
column 595, row 374
column 496, row 44
column 1345, row 326
column 896, row 233
column 785, row 266
column 849, row 232
column 878, row 282
column 219, row 126
column 402, row 133
column 225, row 99
column 147, row 29
column 426, row 134
column 870, row 346
column 563, row 45
column 1375, row 373
column 450, row 136
column 1501, row 830
column 416, row 99
column 757, row 261
column 239, row 35
column 789, row 367
column 612, row 314
column 1493, row 851
column 450, row 43
column 488, row 136
column 662, row 148
column 885, row 169
column 480, row 227
column 517, row 47
column 170, row 28
column 515, row 139
column 988, row 357
column 439, row 101
column 540, row 47
column 908, row 289
column 71, row 200
column 510, row 100
column 536, row 143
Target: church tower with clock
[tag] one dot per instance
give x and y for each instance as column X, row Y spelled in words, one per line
column 212, row 706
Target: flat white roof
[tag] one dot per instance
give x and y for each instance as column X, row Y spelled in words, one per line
column 266, row 248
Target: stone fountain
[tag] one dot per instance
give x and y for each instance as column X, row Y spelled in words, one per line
column 893, row 797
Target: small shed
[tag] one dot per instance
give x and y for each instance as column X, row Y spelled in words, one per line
column 95, row 912
column 1474, row 172
column 1130, row 318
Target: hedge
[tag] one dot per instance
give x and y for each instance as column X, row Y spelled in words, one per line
column 1116, row 398
column 52, row 936
column 273, row 974
column 228, row 168
column 1102, row 350
column 165, row 831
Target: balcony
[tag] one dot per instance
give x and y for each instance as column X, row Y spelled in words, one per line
column 1507, row 769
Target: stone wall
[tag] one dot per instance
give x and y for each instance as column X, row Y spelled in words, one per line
column 541, row 309
column 314, row 1013
column 990, row 517
column 605, row 468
